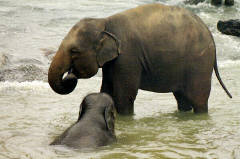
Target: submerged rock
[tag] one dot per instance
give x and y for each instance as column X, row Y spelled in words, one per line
column 193, row 2
column 229, row 2
column 23, row 73
column 213, row 2
column 230, row 27
column 48, row 53
column 219, row 2
column 3, row 60
column 216, row 2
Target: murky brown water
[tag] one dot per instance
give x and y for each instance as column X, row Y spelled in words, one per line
column 31, row 115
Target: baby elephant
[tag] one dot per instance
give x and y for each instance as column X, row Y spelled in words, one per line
column 95, row 124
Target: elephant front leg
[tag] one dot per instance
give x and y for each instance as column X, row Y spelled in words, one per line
column 124, row 96
column 125, row 89
column 121, row 80
column 122, row 89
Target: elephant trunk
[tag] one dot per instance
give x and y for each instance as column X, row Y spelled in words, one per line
column 61, row 64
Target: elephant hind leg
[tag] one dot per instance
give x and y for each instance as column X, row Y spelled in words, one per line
column 198, row 93
column 183, row 103
column 200, row 102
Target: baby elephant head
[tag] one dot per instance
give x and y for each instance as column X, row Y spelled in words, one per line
column 96, row 105
column 95, row 125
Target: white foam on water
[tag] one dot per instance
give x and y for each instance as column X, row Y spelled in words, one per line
column 229, row 63
column 32, row 114
column 36, row 86
column 199, row 5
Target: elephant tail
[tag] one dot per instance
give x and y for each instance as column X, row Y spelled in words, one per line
column 219, row 78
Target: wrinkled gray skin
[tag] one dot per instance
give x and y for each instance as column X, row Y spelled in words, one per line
column 152, row 47
column 95, row 125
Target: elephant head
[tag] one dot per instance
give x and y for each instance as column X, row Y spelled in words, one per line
column 86, row 48
column 99, row 103
column 95, row 124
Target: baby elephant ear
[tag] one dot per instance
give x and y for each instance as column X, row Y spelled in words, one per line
column 109, row 118
column 109, row 48
column 81, row 110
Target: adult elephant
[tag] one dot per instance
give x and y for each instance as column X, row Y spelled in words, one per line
column 152, row 47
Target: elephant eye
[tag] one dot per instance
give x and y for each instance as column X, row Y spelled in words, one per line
column 74, row 51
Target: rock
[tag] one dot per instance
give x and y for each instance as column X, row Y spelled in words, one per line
column 48, row 53
column 230, row 27
column 193, row 2
column 30, row 61
column 23, row 73
column 229, row 2
column 3, row 60
column 213, row 2
column 216, row 2
column 219, row 2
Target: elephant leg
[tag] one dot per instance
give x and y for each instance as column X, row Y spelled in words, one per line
column 124, row 96
column 183, row 103
column 122, row 90
column 126, row 82
column 107, row 84
column 198, row 92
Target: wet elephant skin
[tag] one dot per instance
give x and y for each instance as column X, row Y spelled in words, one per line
column 152, row 47
column 95, row 124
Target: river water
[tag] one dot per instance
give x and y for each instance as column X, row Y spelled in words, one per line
column 32, row 115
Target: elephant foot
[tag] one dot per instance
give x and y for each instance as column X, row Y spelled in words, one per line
column 184, row 108
column 125, row 111
column 201, row 109
column 183, row 103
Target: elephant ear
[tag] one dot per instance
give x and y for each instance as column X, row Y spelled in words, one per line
column 109, row 48
column 109, row 118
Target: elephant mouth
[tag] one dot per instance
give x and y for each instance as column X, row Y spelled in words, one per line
column 81, row 74
column 70, row 76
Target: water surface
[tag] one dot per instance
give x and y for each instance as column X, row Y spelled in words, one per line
column 32, row 115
